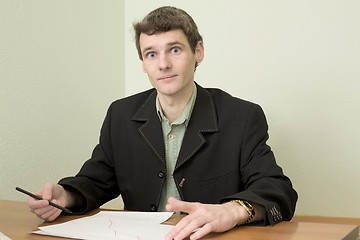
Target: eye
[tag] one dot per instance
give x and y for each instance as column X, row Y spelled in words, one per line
column 175, row 50
column 151, row 55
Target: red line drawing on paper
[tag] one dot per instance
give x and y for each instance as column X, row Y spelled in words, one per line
column 111, row 223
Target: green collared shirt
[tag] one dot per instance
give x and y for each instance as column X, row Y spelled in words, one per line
column 173, row 136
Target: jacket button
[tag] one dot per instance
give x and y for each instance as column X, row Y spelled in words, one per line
column 153, row 208
column 161, row 174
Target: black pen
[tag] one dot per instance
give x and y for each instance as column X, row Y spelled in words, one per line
column 40, row 198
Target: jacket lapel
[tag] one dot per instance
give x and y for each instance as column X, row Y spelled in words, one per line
column 151, row 130
column 203, row 119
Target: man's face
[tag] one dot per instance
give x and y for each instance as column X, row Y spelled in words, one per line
column 169, row 62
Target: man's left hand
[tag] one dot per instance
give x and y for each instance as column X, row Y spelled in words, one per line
column 204, row 217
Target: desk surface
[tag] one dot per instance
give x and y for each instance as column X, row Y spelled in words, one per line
column 17, row 222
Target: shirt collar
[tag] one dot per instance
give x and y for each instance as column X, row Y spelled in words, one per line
column 185, row 116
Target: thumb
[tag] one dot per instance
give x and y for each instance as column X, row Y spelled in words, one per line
column 175, row 205
column 47, row 192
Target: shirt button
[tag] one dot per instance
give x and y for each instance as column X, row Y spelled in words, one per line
column 171, row 136
column 161, row 174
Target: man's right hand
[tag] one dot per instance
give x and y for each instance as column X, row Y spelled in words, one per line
column 50, row 192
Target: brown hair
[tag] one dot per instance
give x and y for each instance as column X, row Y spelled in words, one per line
column 164, row 19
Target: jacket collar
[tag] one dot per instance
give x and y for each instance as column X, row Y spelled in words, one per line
column 203, row 120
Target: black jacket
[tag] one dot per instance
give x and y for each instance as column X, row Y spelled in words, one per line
column 223, row 156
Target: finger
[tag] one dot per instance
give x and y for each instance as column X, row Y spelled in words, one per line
column 207, row 228
column 185, row 227
column 47, row 191
column 195, row 223
column 36, row 204
column 172, row 202
column 175, row 205
column 46, row 215
column 41, row 211
column 178, row 227
column 54, row 216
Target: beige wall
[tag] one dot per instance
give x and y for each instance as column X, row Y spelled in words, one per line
column 62, row 63
column 300, row 60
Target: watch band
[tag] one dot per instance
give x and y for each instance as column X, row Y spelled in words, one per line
column 248, row 207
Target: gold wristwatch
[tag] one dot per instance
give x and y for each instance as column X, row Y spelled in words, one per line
column 248, row 207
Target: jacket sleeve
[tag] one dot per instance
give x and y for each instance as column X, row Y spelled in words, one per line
column 263, row 180
column 96, row 180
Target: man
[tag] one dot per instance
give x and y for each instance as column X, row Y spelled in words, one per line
column 179, row 147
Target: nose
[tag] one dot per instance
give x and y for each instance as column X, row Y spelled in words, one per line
column 164, row 62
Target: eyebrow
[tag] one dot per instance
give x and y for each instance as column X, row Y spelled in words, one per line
column 176, row 43
column 169, row 44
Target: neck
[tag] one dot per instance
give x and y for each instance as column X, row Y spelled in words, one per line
column 173, row 107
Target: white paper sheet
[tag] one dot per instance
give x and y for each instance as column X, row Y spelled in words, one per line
column 113, row 225
column 3, row 237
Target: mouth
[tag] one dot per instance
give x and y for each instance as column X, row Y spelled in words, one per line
column 167, row 77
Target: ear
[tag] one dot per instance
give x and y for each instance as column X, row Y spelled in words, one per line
column 199, row 52
column 143, row 67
